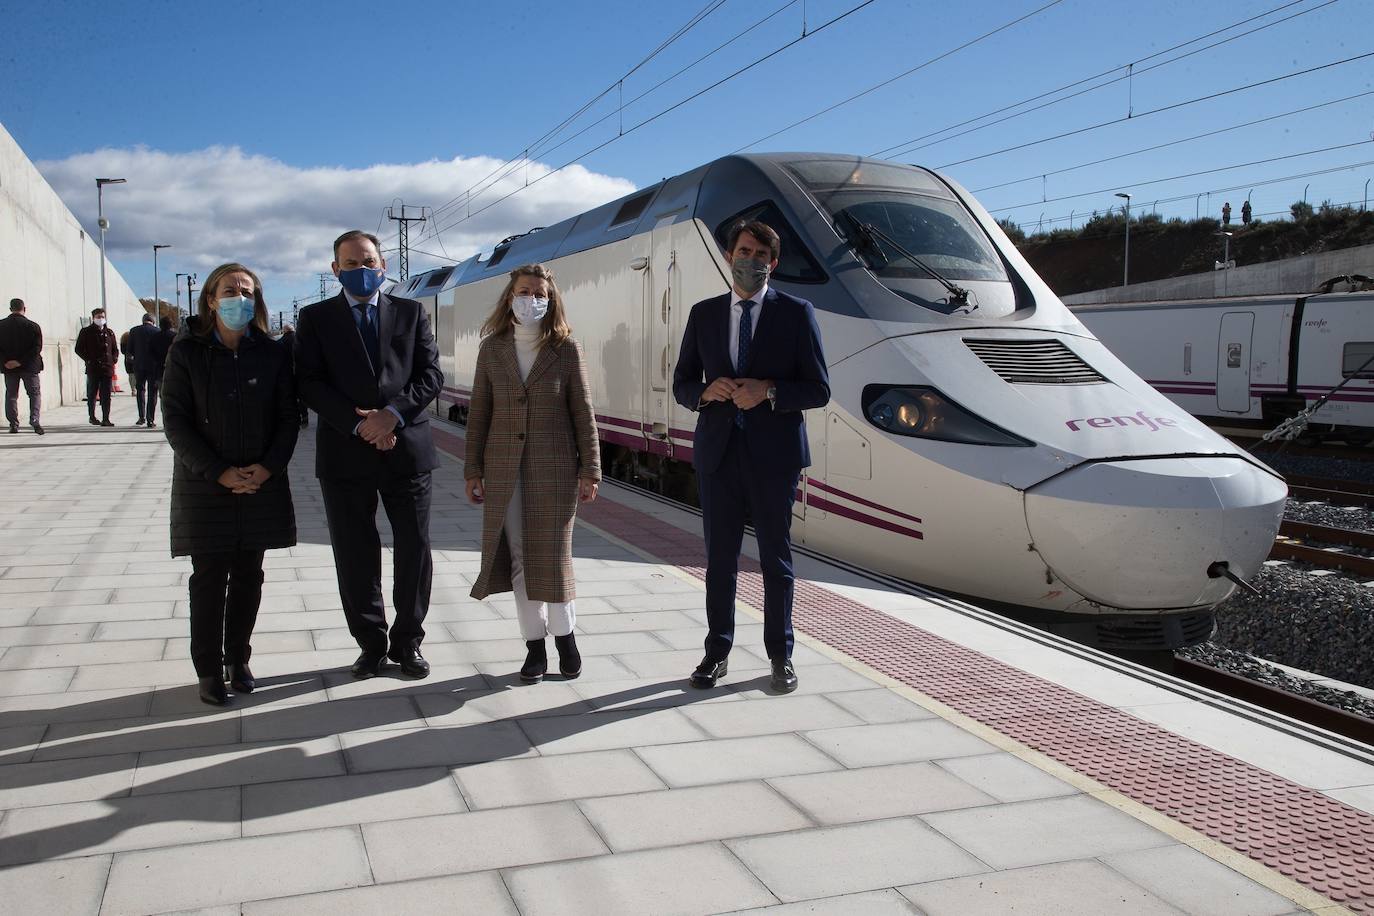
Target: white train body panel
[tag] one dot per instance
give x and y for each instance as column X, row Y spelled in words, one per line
column 1249, row 359
column 1109, row 500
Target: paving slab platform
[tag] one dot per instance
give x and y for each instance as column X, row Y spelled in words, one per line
column 936, row 759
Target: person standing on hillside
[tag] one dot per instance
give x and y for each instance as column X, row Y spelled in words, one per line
column 21, row 354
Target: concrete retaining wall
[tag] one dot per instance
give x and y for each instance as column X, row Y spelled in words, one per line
column 1290, row 275
column 48, row 260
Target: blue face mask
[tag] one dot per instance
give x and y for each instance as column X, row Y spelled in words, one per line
column 236, row 312
column 362, row 282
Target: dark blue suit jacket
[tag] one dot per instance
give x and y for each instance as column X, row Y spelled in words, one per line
column 785, row 347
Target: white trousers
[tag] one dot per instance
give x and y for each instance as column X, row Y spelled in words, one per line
column 536, row 617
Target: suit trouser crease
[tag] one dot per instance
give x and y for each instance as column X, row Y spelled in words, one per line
column 350, row 506
column 31, row 388
column 537, row 618
column 145, row 390
column 734, row 488
column 98, row 386
column 226, row 591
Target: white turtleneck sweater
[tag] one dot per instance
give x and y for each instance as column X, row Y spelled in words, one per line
column 526, row 347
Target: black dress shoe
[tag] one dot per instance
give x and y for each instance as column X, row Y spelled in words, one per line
column 107, row 422
column 536, row 662
column 369, row 664
column 212, row 691
column 708, row 672
column 38, row 428
column 14, row 429
column 411, row 661
column 569, row 659
column 94, row 421
column 152, row 425
column 239, row 677
column 140, row 421
column 784, row 678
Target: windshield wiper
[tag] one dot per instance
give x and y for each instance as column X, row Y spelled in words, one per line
column 868, row 235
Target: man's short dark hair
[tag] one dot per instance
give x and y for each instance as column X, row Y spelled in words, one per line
column 97, row 311
column 352, row 234
column 165, row 322
column 148, row 318
column 759, row 230
column 16, row 305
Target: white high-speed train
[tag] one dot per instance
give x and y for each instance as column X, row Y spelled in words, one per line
column 979, row 439
column 1253, row 360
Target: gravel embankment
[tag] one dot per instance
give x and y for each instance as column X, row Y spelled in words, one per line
column 1318, row 623
column 1319, row 465
column 1245, row 666
column 1355, row 518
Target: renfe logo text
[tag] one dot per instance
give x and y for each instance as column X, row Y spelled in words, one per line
column 1138, row 418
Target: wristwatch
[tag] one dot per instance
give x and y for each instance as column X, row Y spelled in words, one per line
column 773, row 396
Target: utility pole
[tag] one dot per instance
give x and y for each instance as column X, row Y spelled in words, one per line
column 403, row 230
column 190, row 299
column 157, row 302
column 180, row 313
column 325, row 280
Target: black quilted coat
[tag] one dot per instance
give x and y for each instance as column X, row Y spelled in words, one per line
column 227, row 408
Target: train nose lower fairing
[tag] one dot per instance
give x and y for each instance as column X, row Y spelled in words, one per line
column 1129, row 502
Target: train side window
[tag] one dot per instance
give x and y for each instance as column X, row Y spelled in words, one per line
column 1233, row 351
column 1357, row 360
column 631, row 209
column 1187, row 359
column 795, row 264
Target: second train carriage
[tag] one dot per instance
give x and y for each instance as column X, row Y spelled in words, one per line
column 979, row 439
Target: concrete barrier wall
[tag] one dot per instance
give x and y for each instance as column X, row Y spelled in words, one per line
column 48, row 260
column 1290, row 275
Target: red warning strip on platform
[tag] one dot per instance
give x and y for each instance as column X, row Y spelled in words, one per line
column 1317, row 841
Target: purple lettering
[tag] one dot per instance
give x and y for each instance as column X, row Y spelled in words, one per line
column 1072, row 424
column 1099, row 422
column 1165, row 421
column 1147, row 420
column 1121, row 421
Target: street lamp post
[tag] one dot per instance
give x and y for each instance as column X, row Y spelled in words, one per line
column 1365, row 202
column 1226, row 263
column 1126, row 260
column 157, row 303
column 178, row 295
column 100, row 221
column 190, row 282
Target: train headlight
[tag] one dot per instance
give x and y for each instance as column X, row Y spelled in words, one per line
column 914, row 410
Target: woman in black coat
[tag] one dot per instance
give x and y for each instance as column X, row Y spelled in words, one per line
column 229, row 409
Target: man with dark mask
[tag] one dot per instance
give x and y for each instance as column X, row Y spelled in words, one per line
column 367, row 364
column 750, row 363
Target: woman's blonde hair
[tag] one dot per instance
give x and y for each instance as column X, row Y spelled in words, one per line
column 205, row 326
column 553, row 329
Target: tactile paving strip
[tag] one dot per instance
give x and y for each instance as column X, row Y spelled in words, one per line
column 1315, row 840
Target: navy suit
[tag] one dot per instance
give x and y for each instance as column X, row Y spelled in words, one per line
column 750, row 472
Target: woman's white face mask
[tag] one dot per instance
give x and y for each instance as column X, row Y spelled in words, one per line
column 529, row 309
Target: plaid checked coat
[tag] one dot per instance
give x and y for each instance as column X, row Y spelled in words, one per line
column 543, row 430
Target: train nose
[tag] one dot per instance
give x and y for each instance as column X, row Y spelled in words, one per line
column 1143, row 534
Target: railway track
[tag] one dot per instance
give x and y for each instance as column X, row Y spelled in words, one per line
column 1325, row 546
column 1331, row 490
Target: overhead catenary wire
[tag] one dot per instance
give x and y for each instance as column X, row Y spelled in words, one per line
column 908, row 145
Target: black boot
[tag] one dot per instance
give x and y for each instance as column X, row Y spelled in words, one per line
column 569, row 659
column 239, row 677
column 536, row 662
column 212, row 691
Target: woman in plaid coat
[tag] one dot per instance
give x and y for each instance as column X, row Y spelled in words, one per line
column 532, row 456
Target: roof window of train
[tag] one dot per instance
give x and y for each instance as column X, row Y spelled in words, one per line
column 439, row 277
column 1357, row 359
column 795, row 263
column 828, row 174
column 632, row 209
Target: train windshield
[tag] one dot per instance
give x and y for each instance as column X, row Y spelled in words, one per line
column 911, row 212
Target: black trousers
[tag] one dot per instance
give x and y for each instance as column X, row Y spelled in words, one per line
column 350, row 506
column 226, row 590
column 145, row 389
column 98, row 386
column 735, row 493
column 30, row 379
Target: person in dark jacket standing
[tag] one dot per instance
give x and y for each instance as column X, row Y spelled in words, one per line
column 369, row 367
column 288, row 339
column 97, row 347
column 21, row 354
column 229, row 408
column 146, row 369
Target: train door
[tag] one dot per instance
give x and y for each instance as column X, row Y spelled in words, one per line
column 1233, row 362
column 662, row 305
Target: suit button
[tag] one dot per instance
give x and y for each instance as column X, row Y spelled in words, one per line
column 520, row 436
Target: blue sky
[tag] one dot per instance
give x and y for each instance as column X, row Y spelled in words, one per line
column 256, row 131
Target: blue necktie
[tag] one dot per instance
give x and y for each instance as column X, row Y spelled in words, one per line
column 746, row 335
column 369, row 332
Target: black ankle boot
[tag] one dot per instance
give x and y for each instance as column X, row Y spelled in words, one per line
column 212, row 691
column 536, row 662
column 239, row 677
column 569, row 659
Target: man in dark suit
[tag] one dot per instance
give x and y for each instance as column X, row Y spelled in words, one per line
column 97, row 346
column 367, row 364
column 750, row 363
column 21, row 353
column 146, row 368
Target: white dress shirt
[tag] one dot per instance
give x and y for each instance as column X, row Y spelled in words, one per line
column 737, row 312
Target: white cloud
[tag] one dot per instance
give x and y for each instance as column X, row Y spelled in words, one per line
column 222, row 204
